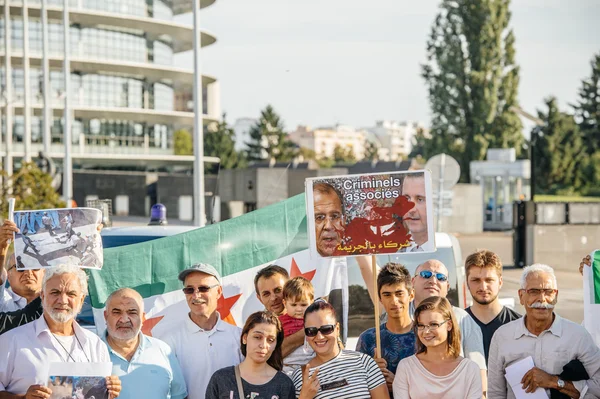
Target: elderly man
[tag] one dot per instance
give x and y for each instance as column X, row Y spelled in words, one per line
column 549, row 339
column 329, row 218
column 415, row 220
column 203, row 342
column 146, row 366
column 27, row 351
column 431, row 279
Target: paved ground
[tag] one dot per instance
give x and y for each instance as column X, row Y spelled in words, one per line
column 570, row 296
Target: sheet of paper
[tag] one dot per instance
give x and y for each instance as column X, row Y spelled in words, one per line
column 514, row 375
column 78, row 380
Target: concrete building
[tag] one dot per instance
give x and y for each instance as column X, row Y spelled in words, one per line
column 323, row 140
column 395, row 138
column 127, row 94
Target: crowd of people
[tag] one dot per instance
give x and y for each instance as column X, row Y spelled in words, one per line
column 293, row 348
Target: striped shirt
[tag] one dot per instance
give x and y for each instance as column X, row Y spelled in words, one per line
column 31, row 312
column 348, row 375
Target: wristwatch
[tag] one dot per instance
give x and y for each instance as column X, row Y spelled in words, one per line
column 560, row 383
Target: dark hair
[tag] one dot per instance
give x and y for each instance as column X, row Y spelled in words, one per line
column 442, row 306
column 326, row 188
column 297, row 288
column 267, row 272
column 483, row 259
column 393, row 273
column 318, row 305
column 265, row 317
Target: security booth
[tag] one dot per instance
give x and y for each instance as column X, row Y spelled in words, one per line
column 503, row 180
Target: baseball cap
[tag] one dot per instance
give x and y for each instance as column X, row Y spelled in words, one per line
column 203, row 268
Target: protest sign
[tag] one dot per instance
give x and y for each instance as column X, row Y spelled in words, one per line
column 370, row 214
column 79, row 380
column 49, row 237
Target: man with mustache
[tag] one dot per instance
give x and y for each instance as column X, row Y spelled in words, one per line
column 431, row 279
column 27, row 351
column 549, row 339
column 203, row 342
column 484, row 279
column 146, row 366
column 415, row 220
column 329, row 218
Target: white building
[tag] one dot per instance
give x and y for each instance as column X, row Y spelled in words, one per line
column 323, row 140
column 128, row 94
column 395, row 138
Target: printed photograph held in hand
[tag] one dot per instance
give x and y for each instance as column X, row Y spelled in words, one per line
column 49, row 237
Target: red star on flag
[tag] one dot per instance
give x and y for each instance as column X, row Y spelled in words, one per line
column 224, row 307
column 149, row 325
column 295, row 272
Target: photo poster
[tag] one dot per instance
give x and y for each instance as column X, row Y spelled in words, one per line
column 78, row 380
column 49, row 237
column 370, row 214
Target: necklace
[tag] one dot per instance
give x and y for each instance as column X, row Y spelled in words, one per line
column 69, row 353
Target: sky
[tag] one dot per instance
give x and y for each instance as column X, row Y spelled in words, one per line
column 322, row 62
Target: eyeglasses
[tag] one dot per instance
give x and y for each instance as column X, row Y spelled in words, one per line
column 430, row 327
column 327, row 329
column 539, row 291
column 427, row 274
column 203, row 289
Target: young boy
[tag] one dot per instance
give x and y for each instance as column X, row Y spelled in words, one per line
column 298, row 294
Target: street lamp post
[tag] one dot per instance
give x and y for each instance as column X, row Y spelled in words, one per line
column 199, row 212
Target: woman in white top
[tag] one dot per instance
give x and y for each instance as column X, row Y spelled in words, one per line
column 335, row 372
column 437, row 371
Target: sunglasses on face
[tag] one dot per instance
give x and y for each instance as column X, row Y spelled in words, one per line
column 203, row 289
column 427, row 274
column 324, row 330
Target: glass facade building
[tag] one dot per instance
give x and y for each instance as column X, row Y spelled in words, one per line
column 124, row 81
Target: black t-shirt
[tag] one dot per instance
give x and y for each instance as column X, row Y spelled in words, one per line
column 222, row 385
column 506, row 315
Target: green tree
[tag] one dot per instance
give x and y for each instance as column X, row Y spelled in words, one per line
column 343, row 155
column 183, row 143
column 219, row 141
column 268, row 140
column 587, row 108
column 31, row 188
column 371, row 151
column 557, row 150
column 472, row 80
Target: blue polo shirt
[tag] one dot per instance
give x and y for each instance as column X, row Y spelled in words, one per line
column 152, row 373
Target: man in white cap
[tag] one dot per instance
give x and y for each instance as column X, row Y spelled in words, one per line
column 203, row 342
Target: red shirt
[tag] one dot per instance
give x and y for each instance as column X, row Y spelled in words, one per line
column 290, row 325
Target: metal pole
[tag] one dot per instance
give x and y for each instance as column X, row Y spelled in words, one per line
column 46, row 117
column 199, row 213
column 67, row 163
column 8, row 164
column 440, row 192
column 27, row 86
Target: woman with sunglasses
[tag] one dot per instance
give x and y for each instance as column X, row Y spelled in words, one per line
column 260, row 374
column 437, row 370
column 335, row 372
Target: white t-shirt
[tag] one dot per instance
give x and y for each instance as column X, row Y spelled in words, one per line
column 348, row 375
column 414, row 381
column 27, row 351
column 200, row 353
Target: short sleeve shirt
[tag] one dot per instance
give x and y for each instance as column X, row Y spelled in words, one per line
column 394, row 347
column 348, row 375
column 223, row 385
